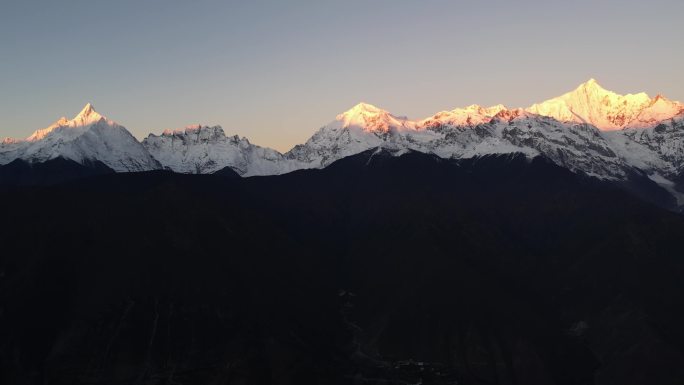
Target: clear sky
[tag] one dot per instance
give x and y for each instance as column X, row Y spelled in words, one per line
column 275, row 71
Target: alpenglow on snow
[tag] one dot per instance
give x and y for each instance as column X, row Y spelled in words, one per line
column 588, row 130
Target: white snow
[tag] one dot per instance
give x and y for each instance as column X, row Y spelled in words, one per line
column 590, row 103
column 589, row 130
column 87, row 137
column 205, row 150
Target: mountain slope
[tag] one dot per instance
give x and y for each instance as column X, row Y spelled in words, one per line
column 205, row 150
column 592, row 104
column 88, row 137
column 470, row 133
column 377, row 269
column 362, row 127
column 57, row 170
column 590, row 130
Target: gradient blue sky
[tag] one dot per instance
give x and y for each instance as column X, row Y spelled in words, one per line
column 275, row 71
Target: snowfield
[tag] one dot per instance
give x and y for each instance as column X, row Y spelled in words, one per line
column 589, row 130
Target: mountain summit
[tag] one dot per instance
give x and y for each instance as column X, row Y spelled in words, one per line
column 205, row 150
column 468, row 116
column 606, row 110
column 86, row 117
column 87, row 137
column 371, row 118
column 588, row 130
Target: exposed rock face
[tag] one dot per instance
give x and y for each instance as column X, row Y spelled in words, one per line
column 205, row 150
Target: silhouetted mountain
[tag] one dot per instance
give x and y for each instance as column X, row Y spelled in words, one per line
column 378, row 269
column 227, row 172
column 679, row 183
column 641, row 186
column 53, row 171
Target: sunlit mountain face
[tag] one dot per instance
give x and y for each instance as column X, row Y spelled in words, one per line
column 589, row 130
column 632, row 140
column 88, row 137
column 480, row 245
column 590, row 103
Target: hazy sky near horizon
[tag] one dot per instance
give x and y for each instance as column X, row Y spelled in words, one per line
column 275, row 71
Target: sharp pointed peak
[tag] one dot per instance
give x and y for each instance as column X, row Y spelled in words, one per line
column 590, row 84
column 87, row 116
column 87, row 111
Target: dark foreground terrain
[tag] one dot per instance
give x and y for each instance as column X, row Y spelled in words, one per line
column 376, row 270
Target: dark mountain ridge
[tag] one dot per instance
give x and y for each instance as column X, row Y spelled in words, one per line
column 376, row 269
column 51, row 172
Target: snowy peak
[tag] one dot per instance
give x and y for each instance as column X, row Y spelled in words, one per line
column 43, row 132
column 8, row 141
column 658, row 110
column 205, row 150
column 592, row 92
column 591, row 83
column 647, row 133
column 87, row 137
column 371, row 118
column 516, row 113
column 592, row 104
column 468, row 116
column 490, row 111
column 364, row 109
column 590, row 86
column 87, row 116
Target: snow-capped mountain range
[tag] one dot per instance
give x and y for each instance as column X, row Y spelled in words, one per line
column 205, row 150
column 588, row 130
column 89, row 136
